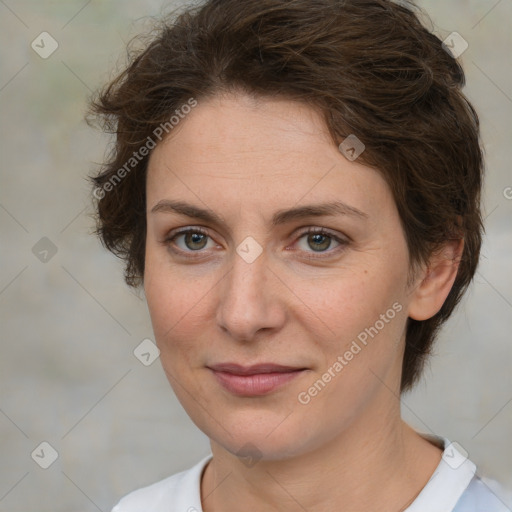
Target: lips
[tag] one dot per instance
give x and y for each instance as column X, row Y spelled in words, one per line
column 256, row 369
column 254, row 380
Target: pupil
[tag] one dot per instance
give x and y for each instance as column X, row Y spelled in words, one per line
column 194, row 238
column 317, row 238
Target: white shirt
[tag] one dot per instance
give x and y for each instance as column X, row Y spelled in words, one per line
column 453, row 487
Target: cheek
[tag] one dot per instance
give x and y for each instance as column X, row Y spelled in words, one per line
column 173, row 300
column 356, row 313
column 344, row 302
column 357, row 329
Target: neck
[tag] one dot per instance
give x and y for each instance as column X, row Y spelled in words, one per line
column 383, row 468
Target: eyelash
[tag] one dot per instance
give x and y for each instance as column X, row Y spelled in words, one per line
column 312, row 230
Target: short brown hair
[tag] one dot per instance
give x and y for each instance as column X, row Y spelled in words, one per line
column 369, row 66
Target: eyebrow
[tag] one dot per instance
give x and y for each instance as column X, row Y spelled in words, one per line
column 279, row 217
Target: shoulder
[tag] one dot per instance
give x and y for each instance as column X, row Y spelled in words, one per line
column 455, row 487
column 484, row 495
column 150, row 497
column 172, row 493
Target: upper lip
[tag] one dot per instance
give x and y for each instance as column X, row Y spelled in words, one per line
column 255, row 369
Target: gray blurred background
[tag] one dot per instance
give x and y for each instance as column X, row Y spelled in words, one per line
column 69, row 325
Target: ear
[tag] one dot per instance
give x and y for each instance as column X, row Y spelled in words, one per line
column 436, row 281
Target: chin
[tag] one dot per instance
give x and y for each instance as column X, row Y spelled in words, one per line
column 264, row 435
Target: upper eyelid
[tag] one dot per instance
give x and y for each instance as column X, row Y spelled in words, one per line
column 296, row 232
column 182, row 231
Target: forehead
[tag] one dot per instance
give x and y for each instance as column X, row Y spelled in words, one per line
column 240, row 149
column 257, row 127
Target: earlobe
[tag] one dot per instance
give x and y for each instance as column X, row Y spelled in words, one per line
column 436, row 281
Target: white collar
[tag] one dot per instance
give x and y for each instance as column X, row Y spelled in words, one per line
column 448, row 482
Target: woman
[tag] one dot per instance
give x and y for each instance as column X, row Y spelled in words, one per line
column 296, row 185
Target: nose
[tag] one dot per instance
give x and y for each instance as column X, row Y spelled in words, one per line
column 250, row 300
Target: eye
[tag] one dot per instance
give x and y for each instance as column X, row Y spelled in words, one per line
column 320, row 240
column 193, row 240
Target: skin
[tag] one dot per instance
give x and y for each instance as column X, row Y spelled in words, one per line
column 348, row 448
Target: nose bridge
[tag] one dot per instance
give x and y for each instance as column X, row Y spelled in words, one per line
column 249, row 268
column 247, row 282
column 246, row 302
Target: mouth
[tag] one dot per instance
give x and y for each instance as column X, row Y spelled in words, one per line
column 255, row 380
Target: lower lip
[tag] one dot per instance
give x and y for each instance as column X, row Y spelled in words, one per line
column 254, row 385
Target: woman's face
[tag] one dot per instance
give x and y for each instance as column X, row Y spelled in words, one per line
column 324, row 313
